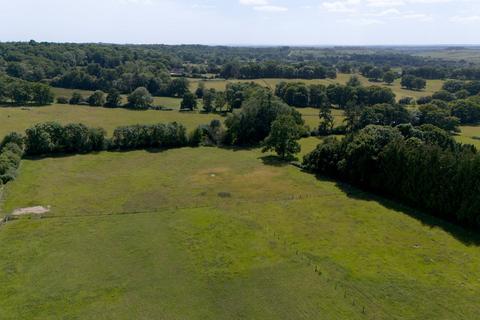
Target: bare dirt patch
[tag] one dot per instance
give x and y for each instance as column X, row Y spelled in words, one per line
column 30, row 210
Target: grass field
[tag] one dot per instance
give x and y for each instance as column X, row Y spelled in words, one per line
column 221, row 234
column 311, row 116
column 468, row 54
column 18, row 119
column 432, row 85
column 173, row 103
column 469, row 135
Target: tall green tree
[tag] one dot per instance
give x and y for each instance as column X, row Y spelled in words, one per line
column 208, row 99
column 327, row 121
column 41, row 94
column 220, row 101
column 283, row 137
column 389, row 77
column 189, row 102
column 200, row 90
column 140, row 98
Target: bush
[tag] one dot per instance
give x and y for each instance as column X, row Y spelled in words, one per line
column 406, row 101
column 140, row 99
column 97, row 99
column 13, row 137
column 10, row 156
column 76, row 98
column 62, row 100
column 424, row 100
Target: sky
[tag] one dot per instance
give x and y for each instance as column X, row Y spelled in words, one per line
column 243, row 22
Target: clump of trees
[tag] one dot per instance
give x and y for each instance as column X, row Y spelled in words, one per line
column 423, row 167
column 412, row 82
column 251, row 124
column 172, row 135
column 298, row 94
column 225, row 101
column 22, row 92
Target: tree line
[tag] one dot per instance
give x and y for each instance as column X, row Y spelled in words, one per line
column 53, row 138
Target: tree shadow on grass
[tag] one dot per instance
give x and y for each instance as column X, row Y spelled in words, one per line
column 59, row 155
column 274, row 161
column 465, row 235
column 238, row 148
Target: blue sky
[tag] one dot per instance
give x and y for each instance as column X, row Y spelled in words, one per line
column 258, row 22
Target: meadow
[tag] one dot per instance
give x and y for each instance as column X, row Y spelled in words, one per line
column 210, row 233
column 18, row 119
column 172, row 103
column 469, row 135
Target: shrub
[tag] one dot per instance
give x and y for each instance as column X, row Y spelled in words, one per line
column 62, row 100
column 10, row 156
column 406, row 101
column 97, row 99
column 140, row 99
column 13, row 137
column 76, row 98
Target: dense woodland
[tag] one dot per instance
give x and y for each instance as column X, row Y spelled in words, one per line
column 127, row 67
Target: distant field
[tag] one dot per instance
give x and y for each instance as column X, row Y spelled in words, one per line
column 432, row 85
column 220, row 234
column 173, row 103
column 18, row 119
column 470, row 135
column 468, row 54
column 311, row 117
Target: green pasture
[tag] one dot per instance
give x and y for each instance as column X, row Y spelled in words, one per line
column 210, row 233
column 173, row 103
column 20, row 118
column 469, row 135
